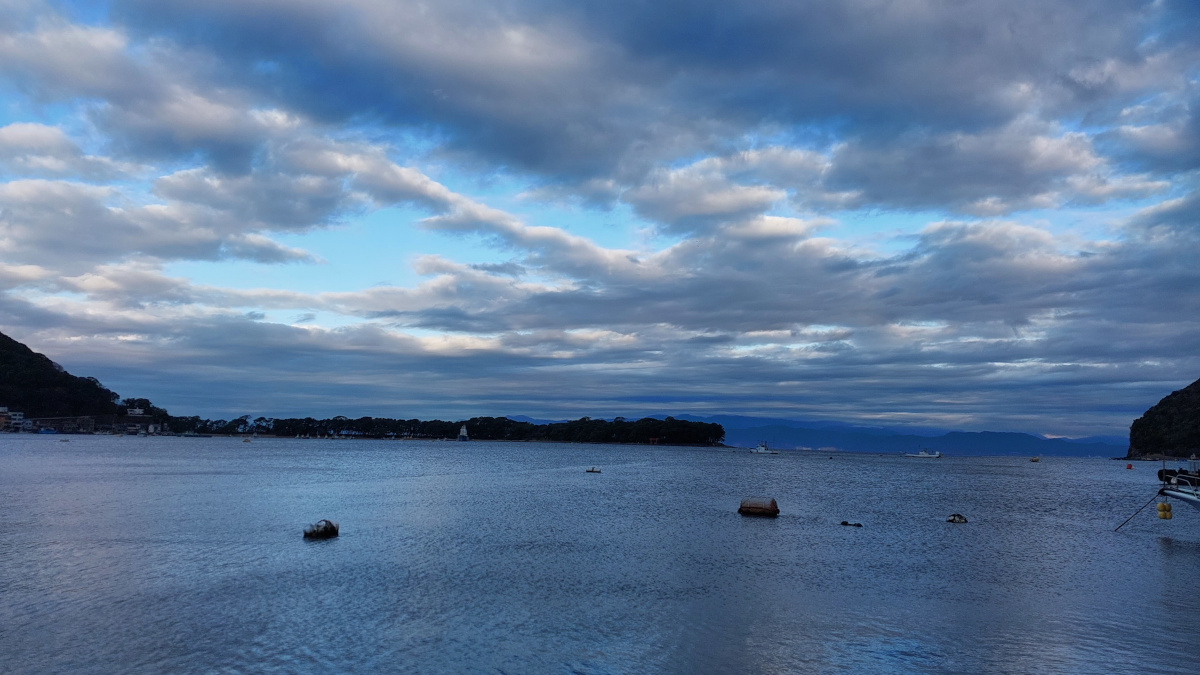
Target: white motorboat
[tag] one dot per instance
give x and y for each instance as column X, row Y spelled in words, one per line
column 762, row 449
column 925, row 454
column 1182, row 484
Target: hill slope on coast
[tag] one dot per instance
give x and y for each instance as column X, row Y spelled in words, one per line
column 33, row 384
column 1170, row 427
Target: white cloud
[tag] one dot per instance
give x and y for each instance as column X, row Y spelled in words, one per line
column 735, row 135
column 29, row 149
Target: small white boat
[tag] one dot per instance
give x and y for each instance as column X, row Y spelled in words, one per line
column 925, row 454
column 762, row 449
column 1182, row 484
column 594, row 469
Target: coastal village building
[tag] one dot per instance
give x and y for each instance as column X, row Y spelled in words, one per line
column 14, row 422
column 137, row 421
column 84, row 424
column 11, row 420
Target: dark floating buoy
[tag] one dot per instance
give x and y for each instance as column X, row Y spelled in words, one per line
column 759, row 506
column 322, row 529
column 848, row 524
column 956, row 518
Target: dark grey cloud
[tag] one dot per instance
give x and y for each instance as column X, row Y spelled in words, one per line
column 1015, row 168
column 725, row 125
column 1068, row 382
column 153, row 100
column 584, row 89
column 72, row 227
column 510, row 269
column 266, row 200
column 977, row 325
column 936, row 104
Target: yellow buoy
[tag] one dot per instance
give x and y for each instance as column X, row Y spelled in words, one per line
column 1166, row 515
column 1168, row 507
column 1163, row 506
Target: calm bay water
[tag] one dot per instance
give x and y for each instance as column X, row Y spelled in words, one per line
column 185, row 555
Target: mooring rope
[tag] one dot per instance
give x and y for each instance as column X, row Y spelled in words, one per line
column 1138, row 511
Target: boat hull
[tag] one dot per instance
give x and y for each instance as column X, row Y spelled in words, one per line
column 1188, row 495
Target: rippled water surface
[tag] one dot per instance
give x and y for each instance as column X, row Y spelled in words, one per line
column 185, row 555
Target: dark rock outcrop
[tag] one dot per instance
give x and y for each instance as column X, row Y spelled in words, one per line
column 322, row 529
column 759, row 506
column 1171, row 427
column 956, row 518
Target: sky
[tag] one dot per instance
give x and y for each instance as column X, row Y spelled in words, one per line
column 979, row 215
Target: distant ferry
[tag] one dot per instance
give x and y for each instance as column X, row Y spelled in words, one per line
column 924, row 453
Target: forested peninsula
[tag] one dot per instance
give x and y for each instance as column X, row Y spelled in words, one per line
column 669, row 431
column 49, row 397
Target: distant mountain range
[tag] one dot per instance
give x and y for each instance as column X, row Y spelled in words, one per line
column 743, row 431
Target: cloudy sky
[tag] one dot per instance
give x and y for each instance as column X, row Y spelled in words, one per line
column 960, row 213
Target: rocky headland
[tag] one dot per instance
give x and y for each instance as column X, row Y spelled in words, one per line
column 1171, row 428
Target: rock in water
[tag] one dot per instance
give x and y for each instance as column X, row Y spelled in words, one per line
column 322, row 529
column 759, row 506
column 956, row 518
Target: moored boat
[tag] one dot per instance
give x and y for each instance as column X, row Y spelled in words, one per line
column 924, row 454
column 1181, row 484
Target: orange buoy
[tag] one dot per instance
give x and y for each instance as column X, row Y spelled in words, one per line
column 1128, row 466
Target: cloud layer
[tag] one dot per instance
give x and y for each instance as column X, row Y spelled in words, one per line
column 980, row 215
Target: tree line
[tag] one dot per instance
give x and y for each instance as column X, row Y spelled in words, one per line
column 33, row 384
column 669, row 431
